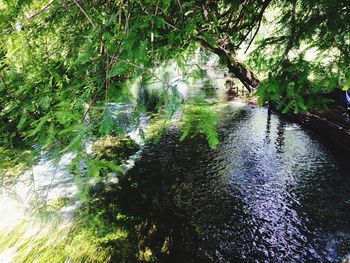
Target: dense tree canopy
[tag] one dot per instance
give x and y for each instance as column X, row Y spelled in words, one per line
column 306, row 54
column 59, row 58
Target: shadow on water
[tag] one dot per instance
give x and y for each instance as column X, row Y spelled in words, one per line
column 148, row 196
column 269, row 193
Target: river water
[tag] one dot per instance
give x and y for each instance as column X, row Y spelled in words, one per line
column 270, row 192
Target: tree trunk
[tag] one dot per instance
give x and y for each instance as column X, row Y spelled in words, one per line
column 243, row 73
column 237, row 68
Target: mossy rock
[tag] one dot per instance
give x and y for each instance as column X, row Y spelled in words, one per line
column 112, row 148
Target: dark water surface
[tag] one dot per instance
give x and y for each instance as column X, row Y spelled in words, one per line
column 270, row 192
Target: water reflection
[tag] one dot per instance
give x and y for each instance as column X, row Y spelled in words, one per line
column 268, row 127
column 280, row 135
column 269, row 192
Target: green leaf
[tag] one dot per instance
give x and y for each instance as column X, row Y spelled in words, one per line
column 107, row 124
column 40, row 123
column 166, row 4
column 22, row 121
column 210, row 39
column 117, row 69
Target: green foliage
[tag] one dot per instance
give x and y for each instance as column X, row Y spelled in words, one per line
column 156, row 128
column 119, row 68
column 60, row 61
column 14, row 162
column 63, row 64
column 296, row 90
column 200, row 118
column 306, row 55
column 55, row 243
column 346, row 79
column 151, row 100
column 108, row 124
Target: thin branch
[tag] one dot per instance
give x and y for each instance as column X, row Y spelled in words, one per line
column 172, row 26
column 143, row 69
column 120, row 13
column 258, row 18
column 292, row 38
column 90, row 105
column 41, row 10
column 252, row 39
column 181, row 10
column 83, row 11
column 3, row 81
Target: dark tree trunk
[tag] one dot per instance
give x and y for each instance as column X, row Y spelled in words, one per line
column 242, row 72
column 237, row 68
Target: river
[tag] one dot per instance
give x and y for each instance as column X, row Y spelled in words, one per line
column 270, row 192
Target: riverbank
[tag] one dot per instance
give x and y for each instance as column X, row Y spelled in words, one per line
column 329, row 124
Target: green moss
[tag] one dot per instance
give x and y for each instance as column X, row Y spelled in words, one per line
column 156, row 128
column 116, row 149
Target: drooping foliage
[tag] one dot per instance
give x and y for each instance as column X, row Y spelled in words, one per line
column 60, row 59
column 65, row 63
column 307, row 53
column 200, row 118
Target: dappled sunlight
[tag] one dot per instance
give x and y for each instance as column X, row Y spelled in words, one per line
column 174, row 131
